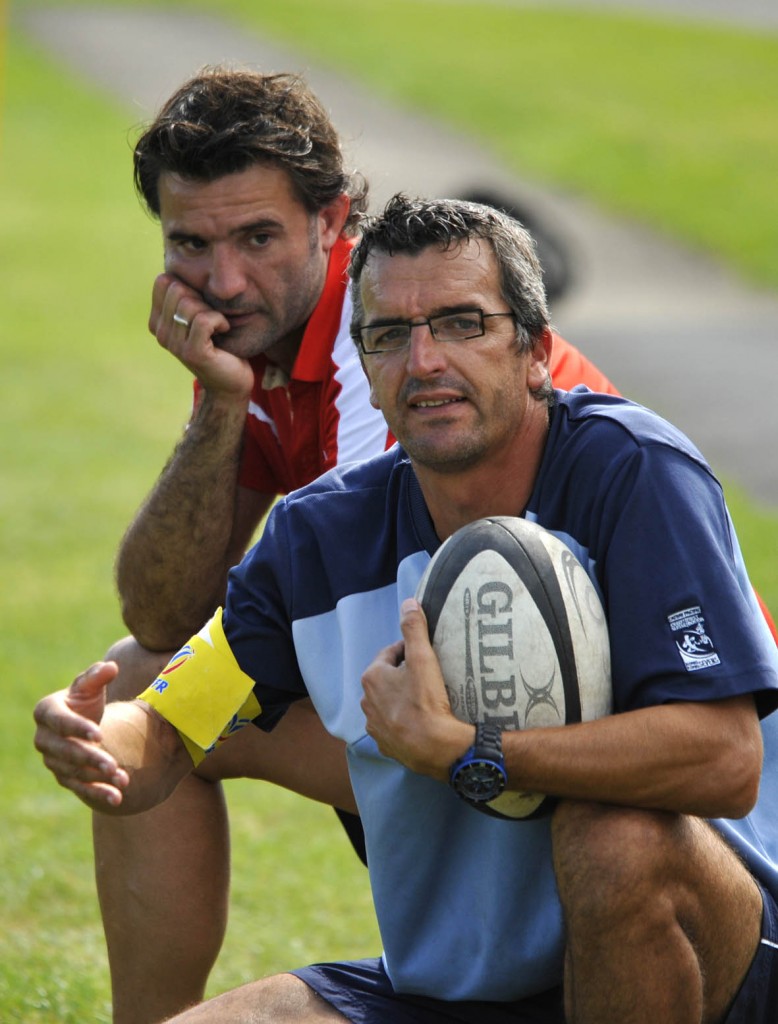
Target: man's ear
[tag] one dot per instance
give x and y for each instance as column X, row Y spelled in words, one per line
column 539, row 362
column 332, row 219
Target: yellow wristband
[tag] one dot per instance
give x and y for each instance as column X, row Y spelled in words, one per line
column 203, row 692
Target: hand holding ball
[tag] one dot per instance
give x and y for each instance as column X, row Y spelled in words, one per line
column 519, row 632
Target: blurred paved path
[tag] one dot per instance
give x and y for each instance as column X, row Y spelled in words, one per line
column 672, row 329
column 761, row 14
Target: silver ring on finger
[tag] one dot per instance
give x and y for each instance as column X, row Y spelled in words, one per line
column 182, row 320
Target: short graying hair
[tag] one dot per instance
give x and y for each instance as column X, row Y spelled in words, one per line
column 408, row 226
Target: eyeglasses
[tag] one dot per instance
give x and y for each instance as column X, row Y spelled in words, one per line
column 391, row 337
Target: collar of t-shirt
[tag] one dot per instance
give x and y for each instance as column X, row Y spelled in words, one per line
column 313, row 360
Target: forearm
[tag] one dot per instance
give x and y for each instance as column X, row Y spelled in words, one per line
column 173, row 561
column 700, row 759
column 148, row 749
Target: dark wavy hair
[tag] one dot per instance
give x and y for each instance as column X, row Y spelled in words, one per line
column 226, row 120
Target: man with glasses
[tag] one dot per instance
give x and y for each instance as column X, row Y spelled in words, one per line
column 649, row 893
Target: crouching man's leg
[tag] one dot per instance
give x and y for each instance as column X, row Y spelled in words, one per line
column 281, row 999
column 162, row 881
column 663, row 920
column 163, row 876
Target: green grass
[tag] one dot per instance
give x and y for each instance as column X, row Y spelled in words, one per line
column 88, row 413
column 89, row 407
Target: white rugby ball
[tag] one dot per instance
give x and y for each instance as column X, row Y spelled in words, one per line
column 520, row 634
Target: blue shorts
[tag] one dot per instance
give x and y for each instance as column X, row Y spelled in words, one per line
column 362, row 992
column 757, row 1000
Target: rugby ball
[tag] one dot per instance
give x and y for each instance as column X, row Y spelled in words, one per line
column 520, row 634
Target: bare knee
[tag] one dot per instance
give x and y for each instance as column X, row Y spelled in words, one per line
column 282, row 999
column 611, row 860
column 655, row 896
column 138, row 668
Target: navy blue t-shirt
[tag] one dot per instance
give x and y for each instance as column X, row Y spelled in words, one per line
column 314, row 601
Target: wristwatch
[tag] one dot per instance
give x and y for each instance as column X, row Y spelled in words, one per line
column 479, row 775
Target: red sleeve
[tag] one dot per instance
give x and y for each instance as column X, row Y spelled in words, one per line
column 569, row 367
column 768, row 618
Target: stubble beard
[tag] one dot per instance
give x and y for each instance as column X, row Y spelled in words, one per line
column 272, row 328
column 302, row 294
column 453, row 456
column 249, row 340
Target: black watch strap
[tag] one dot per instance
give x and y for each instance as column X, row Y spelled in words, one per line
column 479, row 775
column 488, row 741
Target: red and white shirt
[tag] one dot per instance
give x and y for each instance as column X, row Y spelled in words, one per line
column 299, row 426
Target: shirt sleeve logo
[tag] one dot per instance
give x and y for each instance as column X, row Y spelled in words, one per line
column 691, row 639
column 179, row 659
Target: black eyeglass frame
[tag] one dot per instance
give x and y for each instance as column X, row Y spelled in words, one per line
column 430, row 321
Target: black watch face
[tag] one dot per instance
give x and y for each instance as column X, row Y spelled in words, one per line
column 479, row 781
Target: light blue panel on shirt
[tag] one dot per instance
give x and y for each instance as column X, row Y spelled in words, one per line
column 405, row 815
column 335, row 648
column 451, row 884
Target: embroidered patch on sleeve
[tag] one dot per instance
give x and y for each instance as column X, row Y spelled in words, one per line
column 692, row 640
column 203, row 692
